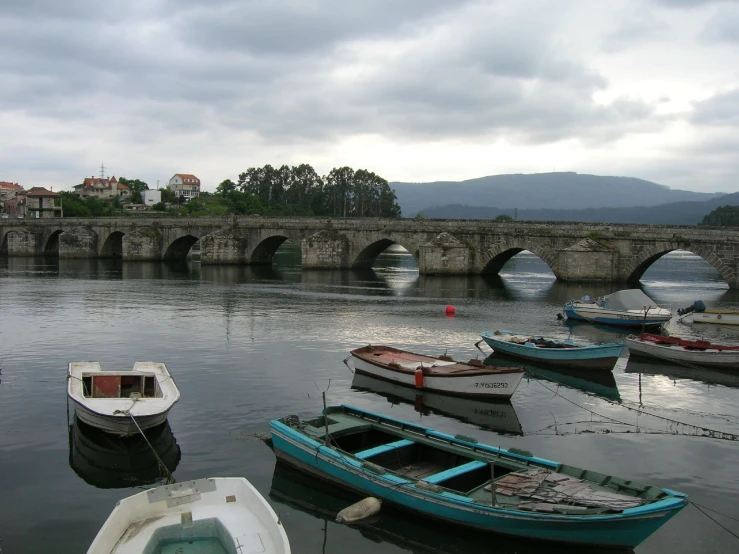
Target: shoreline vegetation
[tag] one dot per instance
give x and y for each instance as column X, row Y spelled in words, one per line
column 269, row 191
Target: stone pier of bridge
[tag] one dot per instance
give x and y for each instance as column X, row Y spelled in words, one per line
column 575, row 252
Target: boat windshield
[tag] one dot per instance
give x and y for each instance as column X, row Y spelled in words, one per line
column 632, row 299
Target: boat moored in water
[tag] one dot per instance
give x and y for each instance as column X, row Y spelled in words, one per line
column 219, row 514
column 553, row 352
column 460, row 481
column 625, row 308
column 698, row 313
column 442, row 374
column 698, row 352
column 112, row 400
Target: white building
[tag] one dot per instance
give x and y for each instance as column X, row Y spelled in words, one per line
column 151, row 196
column 185, row 185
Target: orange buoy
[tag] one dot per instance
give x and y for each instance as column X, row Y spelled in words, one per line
column 450, row 310
column 419, row 378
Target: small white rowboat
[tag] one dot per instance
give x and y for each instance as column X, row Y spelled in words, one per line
column 442, row 374
column 699, row 353
column 108, row 399
column 222, row 515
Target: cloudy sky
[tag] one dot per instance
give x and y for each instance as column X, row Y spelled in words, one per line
column 415, row 90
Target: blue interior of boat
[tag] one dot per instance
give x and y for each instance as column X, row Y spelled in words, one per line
column 201, row 537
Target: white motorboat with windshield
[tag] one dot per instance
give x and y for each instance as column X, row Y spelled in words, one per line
column 625, row 308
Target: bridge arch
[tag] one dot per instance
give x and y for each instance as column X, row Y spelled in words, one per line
column 51, row 245
column 113, row 245
column 636, row 267
column 494, row 259
column 369, row 252
column 4, row 244
column 179, row 248
column 264, row 252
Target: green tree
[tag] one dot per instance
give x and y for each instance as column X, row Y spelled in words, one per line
column 724, row 216
column 504, row 217
column 225, row 187
column 136, row 186
column 73, row 205
column 168, row 196
column 159, row 207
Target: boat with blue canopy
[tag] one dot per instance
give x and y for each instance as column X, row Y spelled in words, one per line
column 554, row 352
column 458, row 480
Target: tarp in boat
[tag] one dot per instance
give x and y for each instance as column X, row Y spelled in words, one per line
column 631, row 299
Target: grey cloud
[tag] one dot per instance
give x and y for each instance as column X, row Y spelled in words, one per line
column 687, row 3
column 290, row 27
column 723, row 26
column 719, row 110
column 635, row 29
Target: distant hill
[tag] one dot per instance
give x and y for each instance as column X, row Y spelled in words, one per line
column 560, row 191
column 676, row 213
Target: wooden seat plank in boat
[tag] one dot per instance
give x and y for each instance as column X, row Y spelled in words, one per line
column 382, row 448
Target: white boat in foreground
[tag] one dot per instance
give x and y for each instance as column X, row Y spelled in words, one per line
column 699, row 353
column 109, row 399
column 220, row 515
column 624, row 308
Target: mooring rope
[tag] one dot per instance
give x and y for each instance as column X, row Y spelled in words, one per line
column 700, row 509
column 704, row 431
column 170, row 477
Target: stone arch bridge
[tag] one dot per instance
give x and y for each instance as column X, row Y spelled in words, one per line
column 573, row 251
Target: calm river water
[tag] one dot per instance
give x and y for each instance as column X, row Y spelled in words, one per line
column 246, row 345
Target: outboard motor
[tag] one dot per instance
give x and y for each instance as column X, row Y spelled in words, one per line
column 697, row 306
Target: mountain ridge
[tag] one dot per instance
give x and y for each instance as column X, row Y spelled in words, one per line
column 675, row 213
column 559, row 190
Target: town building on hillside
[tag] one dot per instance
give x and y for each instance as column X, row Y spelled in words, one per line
column 151, row 196
column 12, row 199
column 42, row 203
column 184, row 185
column 103, row 188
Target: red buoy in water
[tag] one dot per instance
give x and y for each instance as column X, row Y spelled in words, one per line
column 450, row 310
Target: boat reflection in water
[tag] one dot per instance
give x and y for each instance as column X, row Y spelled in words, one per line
column 322, row 500
column 111, row 462
column 726, row 378
column 496, row 415
column 599, row 383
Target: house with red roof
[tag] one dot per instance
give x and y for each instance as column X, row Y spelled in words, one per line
column 42, row 203
column 103, row 188
column 184, row 185
column 12, row 199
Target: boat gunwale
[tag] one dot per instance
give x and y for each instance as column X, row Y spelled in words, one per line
column 471, row 372
column 577, row 346
column 459, row 501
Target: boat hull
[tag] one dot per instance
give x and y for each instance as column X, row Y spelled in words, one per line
column 714, row 359
column 121, row 425
column 718, row 318
column 614, row 317
column 498, row 385
column 619, row 531
column 600, row 358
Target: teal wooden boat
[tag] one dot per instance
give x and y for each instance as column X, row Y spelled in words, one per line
column 552, row 352
column 460, row 481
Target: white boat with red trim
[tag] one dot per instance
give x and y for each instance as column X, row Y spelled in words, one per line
column 438, row 374
column 696, row 352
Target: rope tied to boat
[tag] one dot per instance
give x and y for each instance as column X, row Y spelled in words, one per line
column 160, row 463
column 703, row 431
column 700, row 508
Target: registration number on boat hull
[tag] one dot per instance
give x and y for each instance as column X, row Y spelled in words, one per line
column 491, row 385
